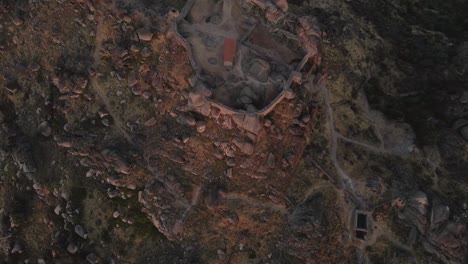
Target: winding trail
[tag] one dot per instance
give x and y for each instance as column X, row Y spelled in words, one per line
column 362, row 144
column 344, row 180
column 381, row 149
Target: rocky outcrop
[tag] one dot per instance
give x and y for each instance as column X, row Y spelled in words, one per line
column 244, row 147
column 441, row 236
column 448, row 239
column 274, row 10
column 165, row 207
column 249, row 122
column 115, row 162
column 310, row 35
column 416, row 211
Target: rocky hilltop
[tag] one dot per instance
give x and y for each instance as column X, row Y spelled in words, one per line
column 233, row 131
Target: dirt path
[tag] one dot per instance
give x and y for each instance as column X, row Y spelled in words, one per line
column 313, row 189
column 347, row 183
column 364, row 145
column 95, row 82
column 344, row 180
column 369, row 147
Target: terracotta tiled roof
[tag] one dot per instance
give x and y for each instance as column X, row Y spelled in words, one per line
column 230, row 49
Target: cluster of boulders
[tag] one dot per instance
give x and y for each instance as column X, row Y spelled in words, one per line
column 250, row 122
column 71, row 87
column 228, row 150
column 164, row 204
column 109, row 167
column 441, row 235
column 142, row 83
column 274, row 9
column 310, row 35
column 197, row 100
column 68, row 213
column 136, row 64
column 259, row 164
column 22, row 156
column 146, row 80
column 249, row 99
column 228, row 119
column 107, row 163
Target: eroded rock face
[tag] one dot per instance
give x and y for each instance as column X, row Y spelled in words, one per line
column 165, row 206
column 449, row 239
column 416, row 211
column 116, row 162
